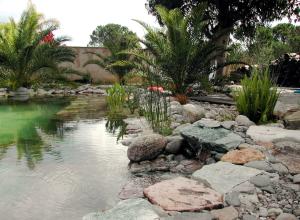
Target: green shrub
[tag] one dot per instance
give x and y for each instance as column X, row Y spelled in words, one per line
column 116, row 97
column 258, row 97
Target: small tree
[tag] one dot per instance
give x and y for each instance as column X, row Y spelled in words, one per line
column 115, row 38
column 29, row 52
column 177, row 53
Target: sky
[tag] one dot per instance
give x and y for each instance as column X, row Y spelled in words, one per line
column 78, row 18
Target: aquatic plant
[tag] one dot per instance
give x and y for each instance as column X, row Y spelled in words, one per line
column 116, row 97
column 258, row 97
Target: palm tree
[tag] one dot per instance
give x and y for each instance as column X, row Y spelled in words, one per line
column 178, row 52
column 28, row 51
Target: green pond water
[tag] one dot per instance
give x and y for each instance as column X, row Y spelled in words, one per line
column 57, row 159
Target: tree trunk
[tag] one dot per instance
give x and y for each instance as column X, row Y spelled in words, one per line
column 222, row 42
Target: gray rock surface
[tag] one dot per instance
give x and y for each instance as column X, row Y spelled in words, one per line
column 296, row 178
column 193, row 112
column 208, row 123
column 218, row 139
column 223, row 176
column 190, row 216
column 243, row 120
column 174, row 144
column 286, row 216
column 260, row 180
column 260, row 165
column 131, row 209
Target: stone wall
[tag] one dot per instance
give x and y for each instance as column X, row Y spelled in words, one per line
column 98, row 74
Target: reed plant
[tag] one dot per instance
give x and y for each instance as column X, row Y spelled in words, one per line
column 116, row 97
column 258, row 96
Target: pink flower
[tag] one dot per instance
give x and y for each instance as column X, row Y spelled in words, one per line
column 48, row 38
column 155, row 89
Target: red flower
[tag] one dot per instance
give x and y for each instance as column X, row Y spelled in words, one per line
column 155, row 89
column 48, row 38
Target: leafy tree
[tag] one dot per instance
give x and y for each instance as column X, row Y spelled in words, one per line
column 29, row 52
column 115, row 38
column 225, row 16
column 176, row 53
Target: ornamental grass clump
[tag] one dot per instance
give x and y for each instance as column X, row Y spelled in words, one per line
column 116, row 97
column 258, row 97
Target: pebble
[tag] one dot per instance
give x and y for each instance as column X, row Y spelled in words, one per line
column 286, row 216
column 261, row 180
column 296, row 178
column 249, row 217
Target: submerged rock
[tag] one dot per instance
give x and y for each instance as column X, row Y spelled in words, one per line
column 182, row 194
column 223, row 176
column 146, row 147
column 131, row 209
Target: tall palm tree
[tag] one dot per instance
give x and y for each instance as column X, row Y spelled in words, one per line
column 27, row 51
column 178, row 52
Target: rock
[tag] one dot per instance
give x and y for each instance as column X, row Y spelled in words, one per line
column 223, row 176
column 260, row 180
column 243, row 156
column 187, row 167
column 174, row 144
column 272, row 134
column 130, row 209
column 178, row 130
column 242, row 120
column 296, row 212
column 142, row 167
column 135, row 188
column 182, row 194
column 193, row 112
column 263, row 212
column 280, row 168
column 146, row 147
column 249, row 217
column 250, row 201
column 269, row 189
column 233, row 199
column 274, row 211
column 228, row 124
column 286, row 216
column 296, row 178
column 228, row 213
column 208, row 123
column 292, row 120
column 245, row 187
column 190, row 216
column 260, row 165
column 126, row 142
column 218, row 139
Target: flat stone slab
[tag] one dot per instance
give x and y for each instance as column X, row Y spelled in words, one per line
column 243, row 156
column 273, row 134
column 217, row 139
column 131, row 209
column 224, row 176
column 182, row 194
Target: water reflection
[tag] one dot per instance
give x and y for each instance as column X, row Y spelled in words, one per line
column 116, row 125
column 19, row 125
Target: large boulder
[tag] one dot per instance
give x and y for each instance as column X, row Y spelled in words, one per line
column 217, row 139
column 193, row 112
column 182, row 194
column 273, row 134
column 223, row 176
column 146, row 147
column 130, row 209
column 243, row 156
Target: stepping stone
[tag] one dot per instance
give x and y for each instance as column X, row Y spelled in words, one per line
column 223, row 176
column 182, row 194
column 243, row 156
column 273, row 134
column 130, row 209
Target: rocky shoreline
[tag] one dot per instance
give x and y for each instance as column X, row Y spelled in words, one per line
column 215, row 165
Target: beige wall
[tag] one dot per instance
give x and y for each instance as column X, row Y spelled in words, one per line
column 98, row 74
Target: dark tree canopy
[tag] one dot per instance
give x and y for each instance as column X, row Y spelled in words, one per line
column 223, row 14
column 114, row 37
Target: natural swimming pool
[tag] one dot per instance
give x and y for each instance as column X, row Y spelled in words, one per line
column 57, row 159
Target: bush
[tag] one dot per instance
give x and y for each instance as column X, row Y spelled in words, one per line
column 258, row 97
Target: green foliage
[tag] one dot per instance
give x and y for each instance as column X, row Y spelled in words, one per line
column 267, row 44
column 116, row 124
column 133, row 98
column 116, row 97
column 258, row 97
column 115, row 38
column 155, row 107
column 24, row 59
column 176, row 54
